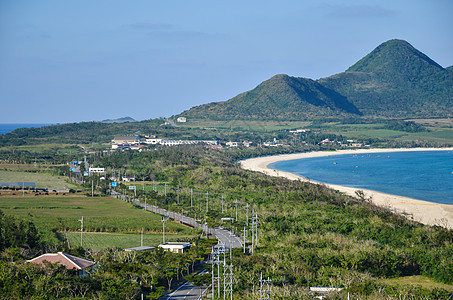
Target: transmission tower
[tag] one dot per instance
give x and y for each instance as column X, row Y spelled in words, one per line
column 228, row 282
column 265, row 288
column 216, row 254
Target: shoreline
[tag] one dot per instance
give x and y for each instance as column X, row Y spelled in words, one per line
column 429, row 213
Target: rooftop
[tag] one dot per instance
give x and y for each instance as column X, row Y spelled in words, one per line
column 69, row 261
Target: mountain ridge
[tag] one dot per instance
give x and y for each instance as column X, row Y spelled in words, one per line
column 272, row 98
column 395, row 80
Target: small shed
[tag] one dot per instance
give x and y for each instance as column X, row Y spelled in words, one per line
column 175, row 247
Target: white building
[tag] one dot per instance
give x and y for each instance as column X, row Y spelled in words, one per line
column 96, row 170
column 181, row 120
column 175, row 247
column 126, row 139
column 153, row 141
column 232, row 144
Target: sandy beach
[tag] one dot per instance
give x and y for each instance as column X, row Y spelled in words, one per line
column 429, row 213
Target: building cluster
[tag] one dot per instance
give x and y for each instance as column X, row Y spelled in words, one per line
column 237, row 144
column 136, row 142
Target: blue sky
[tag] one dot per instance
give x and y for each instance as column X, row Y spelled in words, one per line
column 72, row 61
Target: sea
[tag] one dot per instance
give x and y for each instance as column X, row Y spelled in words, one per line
column 423, row 175
column 8, row 127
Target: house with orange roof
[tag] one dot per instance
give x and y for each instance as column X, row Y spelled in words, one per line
column 70, row 262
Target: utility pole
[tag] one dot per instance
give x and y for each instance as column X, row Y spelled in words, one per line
column 141, row 240
column 135, row 189
column 245, row 230
column 222, row 204
column 254, row 230
column 191, row 197
column 81, row 232
column 207, row 202
column 165, row 189
column 163, row 230
column 92, row 189
column 236, row 205
column 247, row 209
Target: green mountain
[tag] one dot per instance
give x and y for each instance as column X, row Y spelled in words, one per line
column 281, row 97
column 394, row 81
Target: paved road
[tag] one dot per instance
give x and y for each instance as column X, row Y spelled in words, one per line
column 186, row 291
column 223, row 235
column 230, row 240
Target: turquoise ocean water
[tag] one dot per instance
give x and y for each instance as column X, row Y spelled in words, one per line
column 424, row 175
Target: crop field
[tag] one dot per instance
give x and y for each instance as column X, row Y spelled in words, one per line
column 254, row 125
column 42, row 180
column 436, row 134
column 62, row 148
column 101, row 214
column 23, row 167
column 418, row 280
column 98, row 241
column 364, row 130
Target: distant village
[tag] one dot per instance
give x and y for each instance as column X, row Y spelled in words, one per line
column 141, row 142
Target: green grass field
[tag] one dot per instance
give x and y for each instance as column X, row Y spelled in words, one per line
column 101, row 214
column 42, row 180
column 418, row 280
column 98, row 241
column 254, row 125
column 38, row 148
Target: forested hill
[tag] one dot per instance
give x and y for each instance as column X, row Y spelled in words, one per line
column 281, row 97
column 395, row 80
